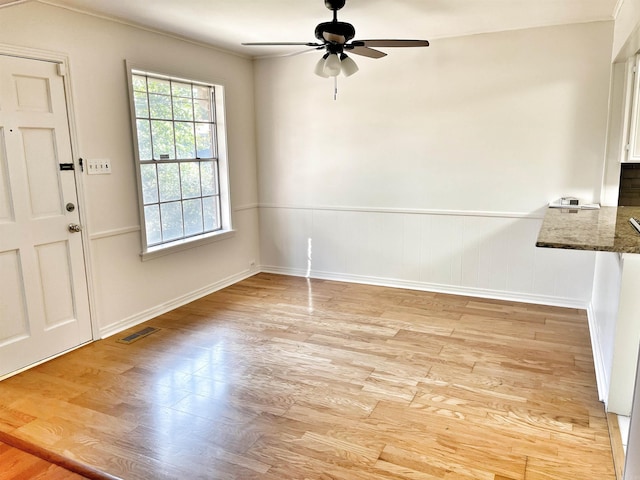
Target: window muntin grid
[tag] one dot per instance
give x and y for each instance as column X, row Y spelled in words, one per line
column 179, row 170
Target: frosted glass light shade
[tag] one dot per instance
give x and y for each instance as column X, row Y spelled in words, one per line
column 332, row 65
column 348, row 66
column 319, row 70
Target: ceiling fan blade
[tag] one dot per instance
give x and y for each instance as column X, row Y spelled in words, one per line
column 391, row 43
column 275, row 44
column 365, row 51
column 299, row 52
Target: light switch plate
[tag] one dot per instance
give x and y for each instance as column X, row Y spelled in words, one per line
column 99, row 166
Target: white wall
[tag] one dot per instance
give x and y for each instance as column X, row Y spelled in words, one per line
column 626, row 36
column 604, row 314
column 613, row 342
column 126, row 289
column 434, row 166
column 632, row 464
column 616, row 139
column 485, row 255
column 626, row 44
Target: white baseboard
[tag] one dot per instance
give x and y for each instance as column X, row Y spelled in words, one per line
column 431, row 287
column 602, row 379
column 157, row 310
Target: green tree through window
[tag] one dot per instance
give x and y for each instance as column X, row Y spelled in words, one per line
column 175, row 123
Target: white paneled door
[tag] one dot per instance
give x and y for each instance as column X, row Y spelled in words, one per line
column 44, row 308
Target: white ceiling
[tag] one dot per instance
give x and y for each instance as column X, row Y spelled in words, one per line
column 227, row 23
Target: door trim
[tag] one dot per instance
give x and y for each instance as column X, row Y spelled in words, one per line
column 63, row 59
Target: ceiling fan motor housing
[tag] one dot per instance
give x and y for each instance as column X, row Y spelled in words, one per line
column 341, row 29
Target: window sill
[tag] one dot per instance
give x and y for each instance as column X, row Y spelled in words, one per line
column 185, row 244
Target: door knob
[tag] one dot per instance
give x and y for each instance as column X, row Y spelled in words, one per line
column 75, row 228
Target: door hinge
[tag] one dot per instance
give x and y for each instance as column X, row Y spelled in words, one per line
column 66, row 166
column 62, row 69
column 81, row 163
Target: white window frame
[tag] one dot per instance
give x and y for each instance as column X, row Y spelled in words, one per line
column 226, row 229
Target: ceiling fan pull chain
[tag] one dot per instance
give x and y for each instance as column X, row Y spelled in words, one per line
column 335, row 88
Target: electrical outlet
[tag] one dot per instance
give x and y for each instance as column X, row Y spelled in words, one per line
column 99, row 166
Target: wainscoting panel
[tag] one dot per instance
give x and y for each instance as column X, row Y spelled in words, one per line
column 476, row 253
column 129, row 291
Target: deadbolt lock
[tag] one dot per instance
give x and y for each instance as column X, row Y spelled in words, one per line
column 70, row 207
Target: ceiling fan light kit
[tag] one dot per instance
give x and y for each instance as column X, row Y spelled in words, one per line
column 332, row 65
column 335, row 37
column 319, row 70
column 347, row 65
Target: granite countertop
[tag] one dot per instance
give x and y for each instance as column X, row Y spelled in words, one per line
column 606, row 229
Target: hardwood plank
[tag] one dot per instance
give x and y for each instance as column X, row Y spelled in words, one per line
column 16, row 464
column 617, row 447
column 24, row 460
column 282, row 377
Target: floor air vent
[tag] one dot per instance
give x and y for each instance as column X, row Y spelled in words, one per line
column 138, row 335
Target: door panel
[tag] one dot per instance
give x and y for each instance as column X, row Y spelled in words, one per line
column 6, row 211
column 38, row 145
column 55, row 283
column 14, row 323
column 44, row 308
column 32, row 94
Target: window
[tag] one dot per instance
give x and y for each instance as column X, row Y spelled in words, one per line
column 182, row 171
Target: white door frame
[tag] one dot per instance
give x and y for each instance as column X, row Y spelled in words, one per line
column 62, row 59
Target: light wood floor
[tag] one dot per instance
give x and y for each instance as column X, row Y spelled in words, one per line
column 283, row 378
column 16, row 464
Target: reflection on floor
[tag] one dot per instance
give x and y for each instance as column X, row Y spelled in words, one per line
column 279, row 377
